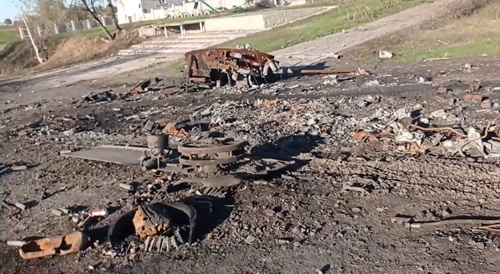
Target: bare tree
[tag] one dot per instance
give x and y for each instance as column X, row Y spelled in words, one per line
column 26, row 6
column 90, row 6
column 112, row 12
column 50, row 11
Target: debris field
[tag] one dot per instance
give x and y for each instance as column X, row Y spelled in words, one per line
column 320, row 171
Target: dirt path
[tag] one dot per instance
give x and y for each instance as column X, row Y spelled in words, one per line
column 326, row 47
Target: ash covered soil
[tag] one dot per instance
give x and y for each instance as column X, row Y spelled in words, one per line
column 358, row 164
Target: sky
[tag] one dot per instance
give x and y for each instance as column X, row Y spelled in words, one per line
column 8, row 9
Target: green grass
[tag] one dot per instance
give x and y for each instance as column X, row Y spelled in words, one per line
column 8, row 35
column 350, row 14
column 472, row 36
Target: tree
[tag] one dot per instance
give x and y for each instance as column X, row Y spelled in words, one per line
column 112, row 12
column 91, row 6
column 51, row 11
column 26, row 7
column 7, row 21
column 77, row 12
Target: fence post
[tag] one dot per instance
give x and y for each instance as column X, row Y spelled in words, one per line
column 21, row 33
column 103, row 20
column 39, row 31
column 73, row 27
column 56, row 28
column 89, row 24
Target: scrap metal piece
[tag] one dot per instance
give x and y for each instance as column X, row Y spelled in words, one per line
column 123, row 155
column 151, row 220
column 159, row 141
column 210, row 153
column 328, row 71
column 213, row 182
column 141, row 86
column 171, row 129
column 62, row 245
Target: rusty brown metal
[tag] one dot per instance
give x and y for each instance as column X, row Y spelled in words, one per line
column 208, row 154
column 231, row 65
column 141, row 86
column 151, row 221
column 327, row 71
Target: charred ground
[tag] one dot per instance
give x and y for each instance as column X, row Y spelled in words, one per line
column 298, row 222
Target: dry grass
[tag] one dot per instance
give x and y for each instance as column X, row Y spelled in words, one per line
column 350, row 13
column 464, row 8
column 477, row 34
column 18, row 57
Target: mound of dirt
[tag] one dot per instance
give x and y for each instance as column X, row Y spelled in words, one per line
column 84, row 48
column 17, row 56
column 20, row 55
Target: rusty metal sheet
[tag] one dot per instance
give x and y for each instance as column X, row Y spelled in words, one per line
column 122, row 155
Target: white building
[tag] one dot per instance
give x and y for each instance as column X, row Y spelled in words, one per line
column 129, row 11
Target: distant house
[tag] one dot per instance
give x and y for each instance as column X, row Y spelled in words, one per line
column 129, row 11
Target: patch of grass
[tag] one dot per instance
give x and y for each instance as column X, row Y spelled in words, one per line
column 175, row 67
column 350, row 13
column 472, row 36
column 8, row 35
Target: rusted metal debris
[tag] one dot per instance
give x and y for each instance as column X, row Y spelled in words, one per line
column 207, row 154
column 241, row 68
column 141, row 86
column 161, row 218
column 151, row 220
column 58, row 245
column 327, row 71
column 172, row 130
column 208, row 66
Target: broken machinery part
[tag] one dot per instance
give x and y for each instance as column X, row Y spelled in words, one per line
column 162, row 218
column 151, row 220
column 157, row 145
column 207, row 154
column 141, row 86
column 58, row 245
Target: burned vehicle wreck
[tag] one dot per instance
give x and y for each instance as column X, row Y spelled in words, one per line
column 218, row 66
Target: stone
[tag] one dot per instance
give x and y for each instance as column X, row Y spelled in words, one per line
column 250, row 239
column 356, row 209
column 486, row 104
column 269, row 212
column 442, row 90
column 383, row 54
column 477, row 98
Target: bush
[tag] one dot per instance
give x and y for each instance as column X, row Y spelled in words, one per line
column 464, row 8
